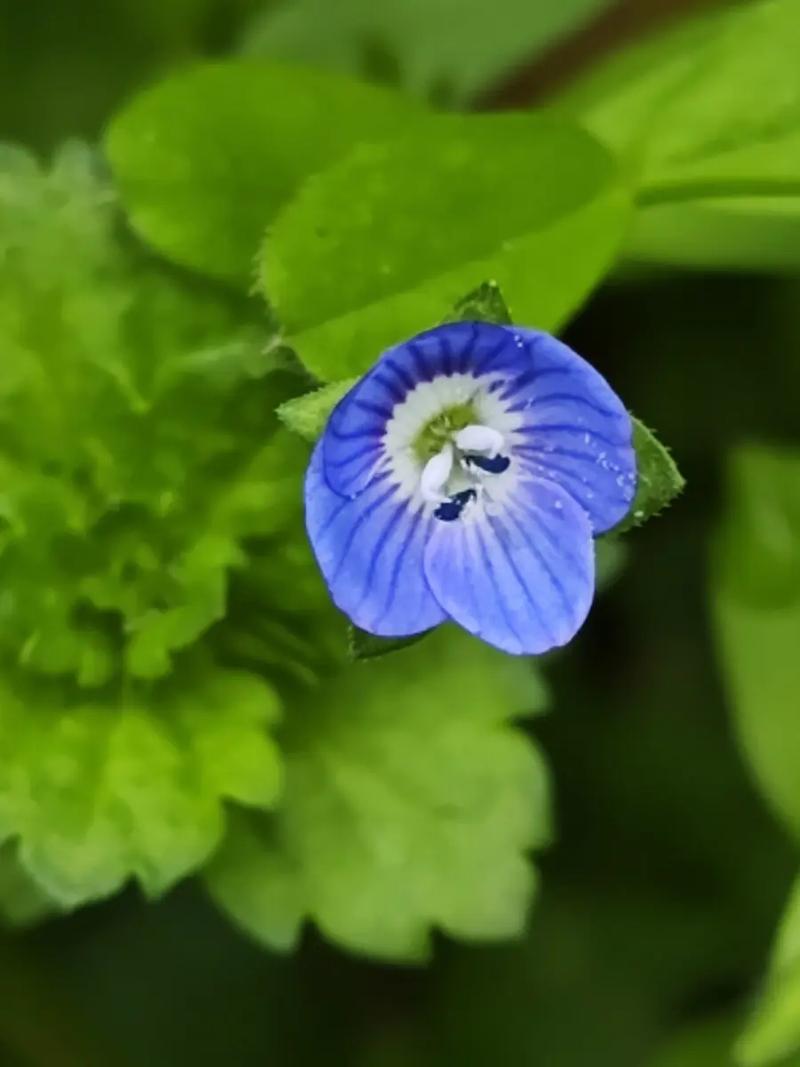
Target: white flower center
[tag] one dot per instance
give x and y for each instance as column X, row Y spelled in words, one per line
column 468, row 466
column 456, row 474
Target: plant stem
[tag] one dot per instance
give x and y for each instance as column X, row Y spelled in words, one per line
column 677, row 191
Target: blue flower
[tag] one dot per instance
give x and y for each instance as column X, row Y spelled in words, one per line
column 464, row 477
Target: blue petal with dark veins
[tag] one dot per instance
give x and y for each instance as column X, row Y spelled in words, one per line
column 576, row 431
column 370, row 553
column 353, row 447
column 519, row 574
column 521, row 579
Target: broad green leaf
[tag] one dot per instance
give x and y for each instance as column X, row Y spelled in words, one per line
column 206, row 159
column 620, row 97
column 715, row 128
column 524, row 199
column 682, row 102
column 449, row 50
column 756, row 601
column 680, row 105
column 773, row 1032
column 759, row 546
column 409, row 804
column 727, row 235
column 104, row 791
column 658, row 480
column 758, row 646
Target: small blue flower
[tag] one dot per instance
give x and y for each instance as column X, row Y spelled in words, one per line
column 464, row 477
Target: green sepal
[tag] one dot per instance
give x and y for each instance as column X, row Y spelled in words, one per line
column 658, row 480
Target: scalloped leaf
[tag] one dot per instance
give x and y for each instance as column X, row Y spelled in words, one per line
column 409, row 804
column 103, row 791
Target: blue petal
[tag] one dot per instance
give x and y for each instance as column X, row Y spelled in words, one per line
column 370, row 553
column 353, row 436
column 576, row 431
column 522, row 580
column 352, row 445
column 455, row 348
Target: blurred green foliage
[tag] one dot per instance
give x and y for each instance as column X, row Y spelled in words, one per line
column 115, row 545
column 758, row 619
column 774, row 1031
column 449, row 51
column 681, row 107
column 66, row 67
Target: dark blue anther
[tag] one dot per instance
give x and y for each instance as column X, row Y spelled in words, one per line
column 490, row 464
column 452, row 508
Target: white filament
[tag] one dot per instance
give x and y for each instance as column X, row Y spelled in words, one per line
column 435, row 475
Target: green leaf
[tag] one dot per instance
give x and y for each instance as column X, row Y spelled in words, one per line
column 611, row 557
column 99, row 792
column 409, row 803
column 758, row 647
column 281, row 620
column 773, row 1032
column 524, row 199
column 758, row 550
column 679, row 105
column 749, row 233
column 22, row 901
column 682, row 102
column 704, row 1044
column 756, row 602
column 461, row 52
column 206, row 159
column 306, row 415
column 715, row 128
column 658, row 480
column 362, row 645
column 619, row 99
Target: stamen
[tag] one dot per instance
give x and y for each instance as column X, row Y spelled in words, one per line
column 451, row 509
column 490, row 464
column 435, row 475
column 479, row 439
